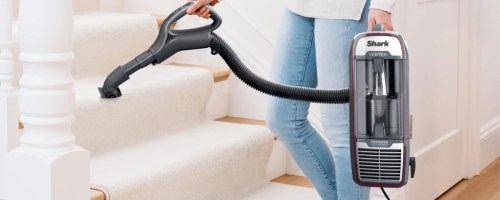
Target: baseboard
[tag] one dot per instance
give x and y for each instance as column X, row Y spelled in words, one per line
column 490, row 141
column 439, row 167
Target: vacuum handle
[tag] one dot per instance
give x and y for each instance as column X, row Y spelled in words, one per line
column 181, row 12
column 378, row 27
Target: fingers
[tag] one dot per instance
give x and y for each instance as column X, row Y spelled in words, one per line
column 205, row 14
column 214, row 2
column 199, row 9
column 388, row 26
column 371, row 23
column 195, row 7
column 376, row 16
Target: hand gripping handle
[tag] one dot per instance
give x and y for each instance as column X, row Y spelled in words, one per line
column 181, row 12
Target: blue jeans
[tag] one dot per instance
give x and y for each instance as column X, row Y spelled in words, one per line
column 314, row 53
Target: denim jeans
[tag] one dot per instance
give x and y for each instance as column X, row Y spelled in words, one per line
column 315, row 53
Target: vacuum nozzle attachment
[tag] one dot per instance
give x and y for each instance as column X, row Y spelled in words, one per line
column 110, row 93
column 109, row 89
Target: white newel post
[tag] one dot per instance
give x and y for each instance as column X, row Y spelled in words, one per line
column 9, row 112
column 47, row 165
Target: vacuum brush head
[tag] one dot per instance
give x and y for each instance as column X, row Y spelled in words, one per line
column 110, row 93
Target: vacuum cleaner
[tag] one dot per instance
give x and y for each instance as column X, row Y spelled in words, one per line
column 379, row 109
column 378, row 94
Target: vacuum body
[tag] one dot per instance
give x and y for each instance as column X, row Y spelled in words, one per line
column 379, row 109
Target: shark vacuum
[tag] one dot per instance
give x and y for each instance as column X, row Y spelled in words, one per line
column 378, row 94
column 379, row 109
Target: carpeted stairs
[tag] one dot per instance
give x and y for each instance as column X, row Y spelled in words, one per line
column 155, row 143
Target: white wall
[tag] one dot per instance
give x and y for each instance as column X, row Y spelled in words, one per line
column 490, row 67
column 490, row 81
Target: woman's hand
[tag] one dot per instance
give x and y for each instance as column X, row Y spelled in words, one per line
column 376, row 16
column 199, row 9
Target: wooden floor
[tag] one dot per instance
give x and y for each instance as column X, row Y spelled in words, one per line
column 294, row 180
column 483, row 187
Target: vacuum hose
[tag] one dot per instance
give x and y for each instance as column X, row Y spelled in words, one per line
column 170, row 42
column 218, row 45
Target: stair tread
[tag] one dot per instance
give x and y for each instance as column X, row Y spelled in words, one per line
column 219, row 73
column 213, row 145
column 285, row 179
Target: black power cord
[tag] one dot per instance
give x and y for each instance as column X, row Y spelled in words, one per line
column 385, row 194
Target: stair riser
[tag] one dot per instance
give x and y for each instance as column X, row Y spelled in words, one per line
column 277, row 164
column 218, row 104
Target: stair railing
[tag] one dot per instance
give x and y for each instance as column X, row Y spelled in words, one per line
column 47, row 165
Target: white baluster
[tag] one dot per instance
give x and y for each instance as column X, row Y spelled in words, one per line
column 47, row 165
column 9, row 112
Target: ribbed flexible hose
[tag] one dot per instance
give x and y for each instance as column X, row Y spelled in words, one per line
column 218, row 45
